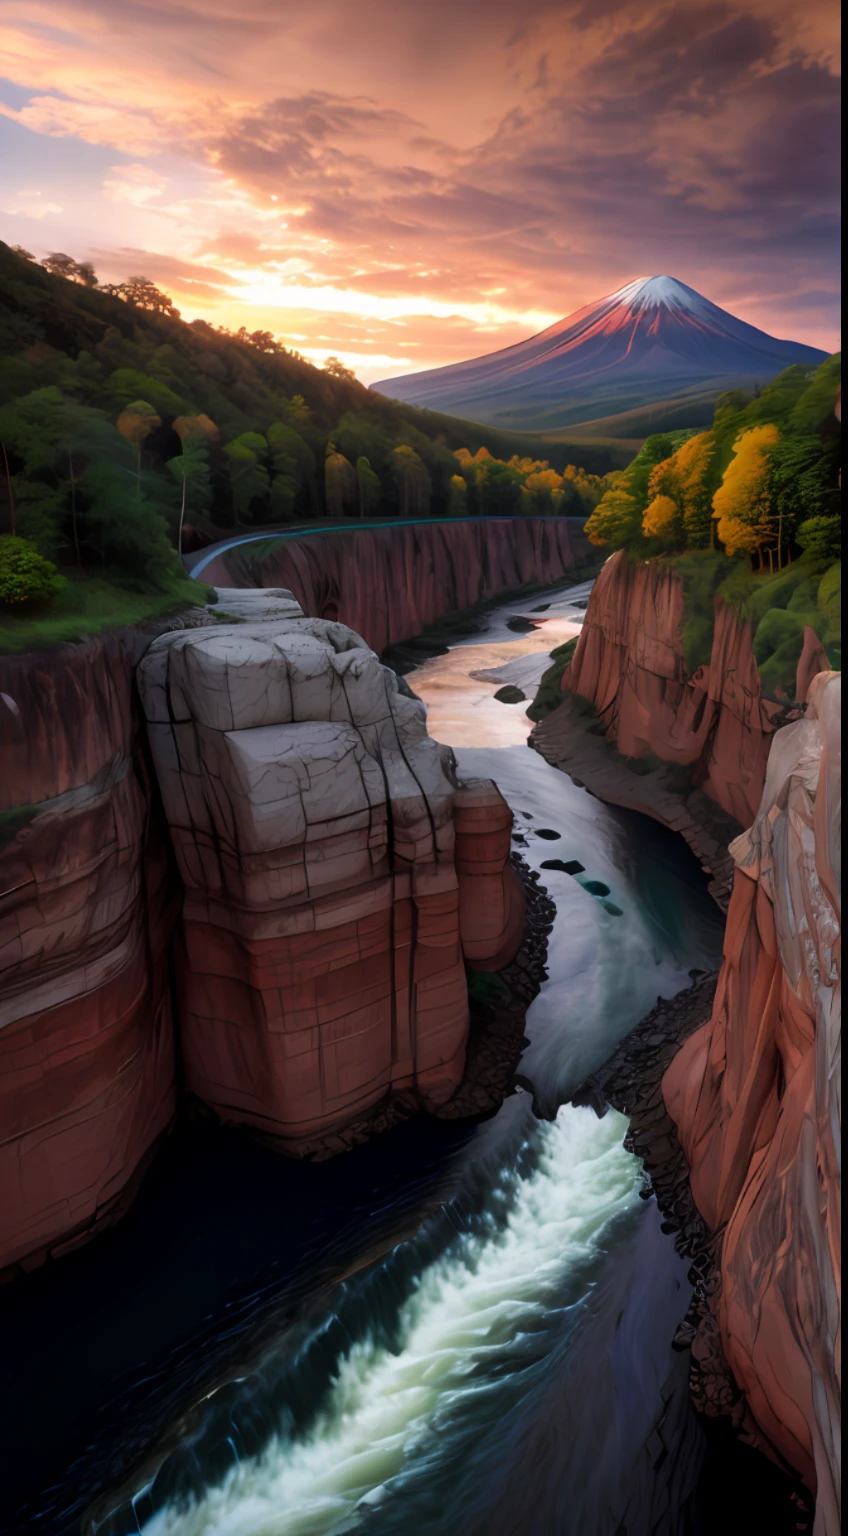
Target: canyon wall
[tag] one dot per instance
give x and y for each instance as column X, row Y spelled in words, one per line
column 336, row 875
column 630, row 665
column 391, row 583
column 87, row 906
column 755, row 1095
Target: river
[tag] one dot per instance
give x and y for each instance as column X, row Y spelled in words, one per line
column 455, row 1328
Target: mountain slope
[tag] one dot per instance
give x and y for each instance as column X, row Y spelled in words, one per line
column 46, row 320
column 652, row 339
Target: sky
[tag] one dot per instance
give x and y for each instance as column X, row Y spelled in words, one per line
column 406, row 185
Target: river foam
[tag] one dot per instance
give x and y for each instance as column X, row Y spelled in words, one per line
column 465, row 1315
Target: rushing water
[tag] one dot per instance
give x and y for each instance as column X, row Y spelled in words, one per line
column 501, row 1364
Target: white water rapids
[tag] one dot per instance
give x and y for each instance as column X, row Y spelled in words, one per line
column 469, row 1307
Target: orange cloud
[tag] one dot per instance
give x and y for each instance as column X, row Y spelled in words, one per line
column 481, row 177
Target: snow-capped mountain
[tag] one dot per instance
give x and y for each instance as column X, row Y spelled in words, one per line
column 654, row 339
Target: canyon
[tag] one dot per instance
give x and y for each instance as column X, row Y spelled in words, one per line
column 333, row 875
column 391, row 583
column 92, row 947
column 241, row 811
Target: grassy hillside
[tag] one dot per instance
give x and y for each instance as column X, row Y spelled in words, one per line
column 689, row 409
column 126, row 433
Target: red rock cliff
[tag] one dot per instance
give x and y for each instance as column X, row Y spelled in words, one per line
column 755, row 1095
column 630, row 665
column 335, row 874
column 388, row 584
column 87, row 905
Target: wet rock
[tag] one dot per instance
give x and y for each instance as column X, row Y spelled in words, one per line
column 509, row 694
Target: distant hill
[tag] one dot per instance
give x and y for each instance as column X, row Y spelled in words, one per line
column 232, row 379
column 655, row 340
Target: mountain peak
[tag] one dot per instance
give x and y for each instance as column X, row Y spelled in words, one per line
column 656, row 339
column 650, row 292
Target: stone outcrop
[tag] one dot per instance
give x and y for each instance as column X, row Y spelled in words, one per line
column 336, row 874
column 336, row 880
column 391, row 583
column 87, row 906
column 630, row 665
column 755, row 1098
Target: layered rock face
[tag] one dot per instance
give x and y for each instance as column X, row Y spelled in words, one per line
column 755, row 1095
column 391, row 583
column 87, row 905
column 335, row 874
column 630, row 665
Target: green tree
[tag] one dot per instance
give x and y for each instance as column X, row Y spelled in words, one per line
column 412, row 482
column 802, row 474
column 340, row 487
column 190, row 469
column 293, row 463
column 25, row 576
column 616, row 522
column 250, row 481
column 126, row 385
column 369, row 488
column 821, row 538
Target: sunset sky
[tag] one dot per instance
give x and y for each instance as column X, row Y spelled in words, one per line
column 407, row 185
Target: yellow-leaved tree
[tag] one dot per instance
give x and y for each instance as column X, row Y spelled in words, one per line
column 660, row 518
column 741, row 503
column 692, row 463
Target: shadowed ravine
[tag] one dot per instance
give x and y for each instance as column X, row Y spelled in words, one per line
column 506, row 1366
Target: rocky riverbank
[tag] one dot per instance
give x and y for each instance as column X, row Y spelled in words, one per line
column 631, row 1081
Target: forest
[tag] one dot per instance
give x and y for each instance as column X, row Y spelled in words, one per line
column 748, row 511
column 763, row 481
column 126, row 433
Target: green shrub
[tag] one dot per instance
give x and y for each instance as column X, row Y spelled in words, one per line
column 821, row 537
column 775, row 630
column 549, row 693
column 25, row 576
column 830, row 593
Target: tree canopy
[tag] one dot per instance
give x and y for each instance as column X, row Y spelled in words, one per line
column 767, row 469
column 112, row 406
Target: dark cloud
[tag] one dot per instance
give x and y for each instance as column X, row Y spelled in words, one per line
column 547, row 152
